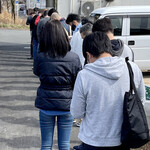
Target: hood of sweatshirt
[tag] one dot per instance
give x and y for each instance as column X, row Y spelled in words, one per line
column 108, row 67
column 117, row 46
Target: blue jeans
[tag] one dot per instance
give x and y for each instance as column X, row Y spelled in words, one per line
column 64, row 126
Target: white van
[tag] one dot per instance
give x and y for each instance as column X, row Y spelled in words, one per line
column 132, row 25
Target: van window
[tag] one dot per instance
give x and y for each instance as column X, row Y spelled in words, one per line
column 93, row 17
column 140, row 25
column 117, row 24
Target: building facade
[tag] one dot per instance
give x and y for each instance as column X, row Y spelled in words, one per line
column 82, row 7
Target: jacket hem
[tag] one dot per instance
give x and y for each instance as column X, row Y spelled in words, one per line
column 100, row 142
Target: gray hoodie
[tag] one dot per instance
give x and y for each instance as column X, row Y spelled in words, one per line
column 98, row 99
column 122, row 50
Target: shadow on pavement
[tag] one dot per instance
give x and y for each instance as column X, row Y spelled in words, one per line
column 19, row 108
column 22, row 142
column 18, row 88
column 17, row 97
column 28, row 121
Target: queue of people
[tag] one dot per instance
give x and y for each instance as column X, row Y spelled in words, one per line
column 83, row 75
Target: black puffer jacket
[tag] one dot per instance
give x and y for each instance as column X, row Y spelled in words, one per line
column 57, row 77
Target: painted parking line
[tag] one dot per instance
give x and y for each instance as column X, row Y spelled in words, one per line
column 26, row 47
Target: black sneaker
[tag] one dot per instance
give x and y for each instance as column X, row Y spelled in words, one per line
column 79, row 147
column 30, row 58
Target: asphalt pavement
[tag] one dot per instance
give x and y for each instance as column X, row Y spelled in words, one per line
column 19, row 121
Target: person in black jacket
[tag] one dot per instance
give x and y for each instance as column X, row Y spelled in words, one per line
column 57, row 69
column 30, row 23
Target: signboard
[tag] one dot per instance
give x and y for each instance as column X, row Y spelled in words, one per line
column 38, row 5
column 147, row 89
column 17, row 2
column 30, row 4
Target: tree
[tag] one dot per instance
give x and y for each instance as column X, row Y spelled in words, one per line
column 10, row 7
column 13, row 10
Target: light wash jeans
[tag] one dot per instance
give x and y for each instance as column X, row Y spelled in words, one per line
column 64, row 126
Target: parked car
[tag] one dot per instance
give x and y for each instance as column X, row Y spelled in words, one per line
column 132, row 25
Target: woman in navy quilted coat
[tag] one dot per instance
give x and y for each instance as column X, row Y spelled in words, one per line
column 57, row 69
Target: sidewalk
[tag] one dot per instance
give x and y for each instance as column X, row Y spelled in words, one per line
column 19, row 125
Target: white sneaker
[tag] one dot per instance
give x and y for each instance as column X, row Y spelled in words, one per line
column 78, row 124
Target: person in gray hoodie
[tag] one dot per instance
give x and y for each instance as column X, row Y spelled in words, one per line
column 99, row 93
column 119, row 47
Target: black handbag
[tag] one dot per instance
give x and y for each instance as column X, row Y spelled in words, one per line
column 135, row 131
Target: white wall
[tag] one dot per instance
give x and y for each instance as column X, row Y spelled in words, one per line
column 75, row 6
column 63, row 7
column 129, row 2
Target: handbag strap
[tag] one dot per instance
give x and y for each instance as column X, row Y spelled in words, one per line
column 131, row 75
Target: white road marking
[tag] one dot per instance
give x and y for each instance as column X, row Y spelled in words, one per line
column 26, row 47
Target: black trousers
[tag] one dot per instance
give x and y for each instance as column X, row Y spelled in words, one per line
column 31, row 47
column 89, row 147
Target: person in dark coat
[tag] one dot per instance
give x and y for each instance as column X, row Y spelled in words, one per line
column 46, row 17
column 30, row 23
column 34, row 37
column 57, row 69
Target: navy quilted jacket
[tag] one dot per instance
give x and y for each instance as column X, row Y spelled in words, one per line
column 57, row 77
